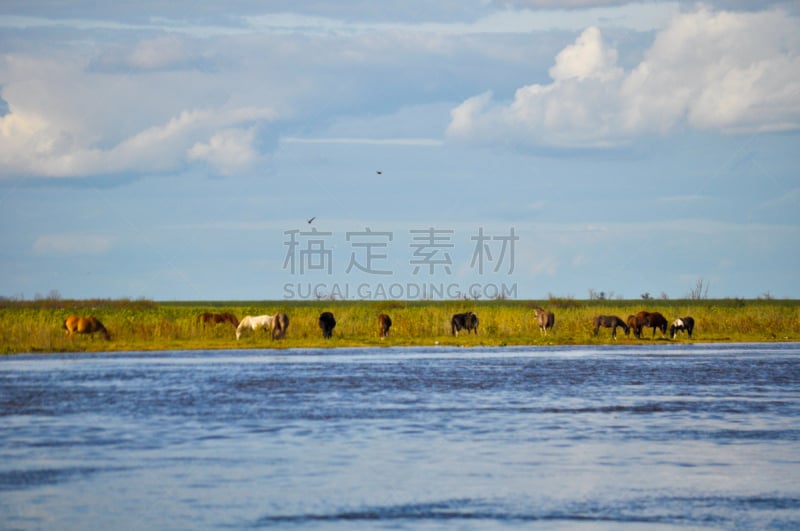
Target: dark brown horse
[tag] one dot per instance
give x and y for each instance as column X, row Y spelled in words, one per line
column 327, row 322
column 84, row 325
column 545, row 319
column 384, row 324
column 683, row 324
column 650, row 319
column 218, row 318
column 610, row 321
column 279, row 325
column 464, row 321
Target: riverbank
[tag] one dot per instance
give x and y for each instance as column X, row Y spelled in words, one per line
column 36, row 326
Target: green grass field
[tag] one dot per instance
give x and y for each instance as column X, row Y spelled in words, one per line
column 36, row 326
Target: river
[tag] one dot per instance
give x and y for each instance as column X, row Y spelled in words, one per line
column 657, row 436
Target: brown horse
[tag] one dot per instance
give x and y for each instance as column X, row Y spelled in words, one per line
column 650, row 319
column 84, row 325
column 545, row 319
column 384, row 324
column 636, row 323
column 279, row 325
column 217, row 318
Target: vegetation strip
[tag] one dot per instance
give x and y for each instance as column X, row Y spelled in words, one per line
column 38, row 326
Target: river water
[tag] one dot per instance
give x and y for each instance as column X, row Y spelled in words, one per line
column 661, row 436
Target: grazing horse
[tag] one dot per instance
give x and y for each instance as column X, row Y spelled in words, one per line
column 610, row 321
column 684, row 323
column 217, row 318
column 327, row 322
column 464, row 321
column 650, row 319
column 636, row 323
column 545, row 319
column 84, row 325
column 384, row 324
column 275, row 323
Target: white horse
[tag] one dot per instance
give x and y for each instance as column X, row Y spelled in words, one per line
column 254, row 323
column 275, row 323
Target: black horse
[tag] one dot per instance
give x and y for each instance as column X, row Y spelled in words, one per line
column 327, row 323
column 683, row 324
column 610, row 321
column 384, row 324
column 464, row 321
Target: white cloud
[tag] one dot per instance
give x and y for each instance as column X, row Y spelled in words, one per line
column 32, row 144
column 588, row 58
column 723, row 71
column 72, row 244
column 230, row 151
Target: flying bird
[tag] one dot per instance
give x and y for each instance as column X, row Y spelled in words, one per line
column 379, row 172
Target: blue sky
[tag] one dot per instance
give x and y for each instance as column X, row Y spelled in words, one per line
column 173, row 152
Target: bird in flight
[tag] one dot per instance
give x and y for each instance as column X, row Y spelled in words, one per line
column 379, row 172
column 311, row 220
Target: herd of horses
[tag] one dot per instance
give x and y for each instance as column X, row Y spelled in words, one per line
column 643, row 320
column 278, row 324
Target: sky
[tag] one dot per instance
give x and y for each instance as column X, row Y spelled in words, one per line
column 471, row 149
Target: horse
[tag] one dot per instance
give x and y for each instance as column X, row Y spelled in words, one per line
column 275, row 323
column 651, row 319
column 610, row 321
column 545, row 319
column 84, row 325
column 279, row 325
column 684, row 323
column 217, row 318
column 384, row 324
column 327, row 322
column 464, row 321
column 636, row 323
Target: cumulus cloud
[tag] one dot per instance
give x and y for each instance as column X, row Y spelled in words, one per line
column 30, row 144
column 724, row 71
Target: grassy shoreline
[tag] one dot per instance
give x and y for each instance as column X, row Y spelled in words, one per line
column 141, row 325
